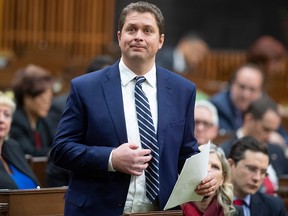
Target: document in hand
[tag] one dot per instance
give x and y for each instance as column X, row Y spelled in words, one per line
column 194, row 170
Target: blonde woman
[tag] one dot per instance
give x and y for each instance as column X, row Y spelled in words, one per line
column 221, row 203
column 15, row 172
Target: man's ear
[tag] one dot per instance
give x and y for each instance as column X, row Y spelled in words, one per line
column 119, row 36
column 231, row 162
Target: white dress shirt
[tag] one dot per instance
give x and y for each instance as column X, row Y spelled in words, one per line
column 136, row 199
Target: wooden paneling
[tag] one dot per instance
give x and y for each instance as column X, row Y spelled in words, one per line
column 77, row 30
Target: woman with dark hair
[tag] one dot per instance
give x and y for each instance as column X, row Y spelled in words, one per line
column 32, row 87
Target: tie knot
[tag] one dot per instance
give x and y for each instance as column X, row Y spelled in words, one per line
column 140, row 80
column 239, row 202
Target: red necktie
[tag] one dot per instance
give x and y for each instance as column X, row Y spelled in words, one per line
column 37, row 138
column 238, row 202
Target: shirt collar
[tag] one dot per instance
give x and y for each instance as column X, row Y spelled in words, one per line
column 246, row 199
column 127, row 75
column 239, row 133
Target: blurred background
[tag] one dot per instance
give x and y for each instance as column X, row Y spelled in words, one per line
column 63, row 36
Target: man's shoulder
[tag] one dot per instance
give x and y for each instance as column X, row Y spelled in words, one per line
column 273, row 202
column 219, row 97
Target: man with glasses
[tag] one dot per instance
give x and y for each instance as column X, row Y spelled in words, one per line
column 260, row 120
column 206, row 121
column 249, row 162
column 246, row 85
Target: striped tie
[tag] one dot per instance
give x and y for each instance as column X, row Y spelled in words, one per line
column 148, row 139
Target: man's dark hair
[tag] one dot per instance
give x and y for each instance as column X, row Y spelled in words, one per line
column 142, row 7
column 259, row 107
column 247, row 143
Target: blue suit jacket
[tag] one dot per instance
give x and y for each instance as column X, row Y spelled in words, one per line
column 266, row 205
column 226, row 111
column 93, row 123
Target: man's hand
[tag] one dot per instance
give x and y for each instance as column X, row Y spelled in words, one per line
column 129, row 158
column 207, row 186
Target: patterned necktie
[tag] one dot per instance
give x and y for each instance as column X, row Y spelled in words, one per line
column 148, row 139
column 238, row 202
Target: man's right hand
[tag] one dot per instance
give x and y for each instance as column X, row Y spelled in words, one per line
column 131, row 159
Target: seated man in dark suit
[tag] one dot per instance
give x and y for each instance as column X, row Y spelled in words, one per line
column 249, row 162
column 260, row 120
column 246, row 85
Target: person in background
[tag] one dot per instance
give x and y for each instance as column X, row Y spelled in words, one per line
column 269, row 54
column 190, row 50
column 206, row 121
column 249, row 161
column 59, row 102
column 260, row 120
column 221, row 202
column 246, row 85
column 98, row 137
column 32, row 87
column 57, row 176
column 15, row 172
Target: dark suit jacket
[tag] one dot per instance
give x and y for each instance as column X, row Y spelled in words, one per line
column 226, row 111
column 227, row 114
column 13, row 153
column 266, row 205
column 276, row 155
column 21, row 131
column 93, row 124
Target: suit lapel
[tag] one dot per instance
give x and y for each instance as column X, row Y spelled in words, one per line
column 164, row 97
column 113, row 96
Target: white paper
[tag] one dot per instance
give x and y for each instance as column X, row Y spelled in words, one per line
column 194, row 171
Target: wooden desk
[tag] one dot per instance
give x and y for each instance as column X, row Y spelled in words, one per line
column 38, row 165
column 45, row 201
column 283, row 189
column 3, row 209
column 158, row 213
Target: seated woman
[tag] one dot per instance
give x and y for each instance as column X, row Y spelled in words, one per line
column 221, row 203
column 15, row 172
column 32, row 87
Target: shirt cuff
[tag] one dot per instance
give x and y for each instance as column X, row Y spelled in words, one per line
column 110, row 165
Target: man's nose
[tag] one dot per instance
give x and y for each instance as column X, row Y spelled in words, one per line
column 139, row 35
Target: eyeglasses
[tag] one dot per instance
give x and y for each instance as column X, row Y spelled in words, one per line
column 255, row 170
column 243, row 87
column 205, row 124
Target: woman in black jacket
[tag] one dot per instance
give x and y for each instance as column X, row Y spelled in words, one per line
column 15, row 172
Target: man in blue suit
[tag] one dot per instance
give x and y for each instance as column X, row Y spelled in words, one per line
column 98, row 137
column 246, row 85
column 249, row 162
